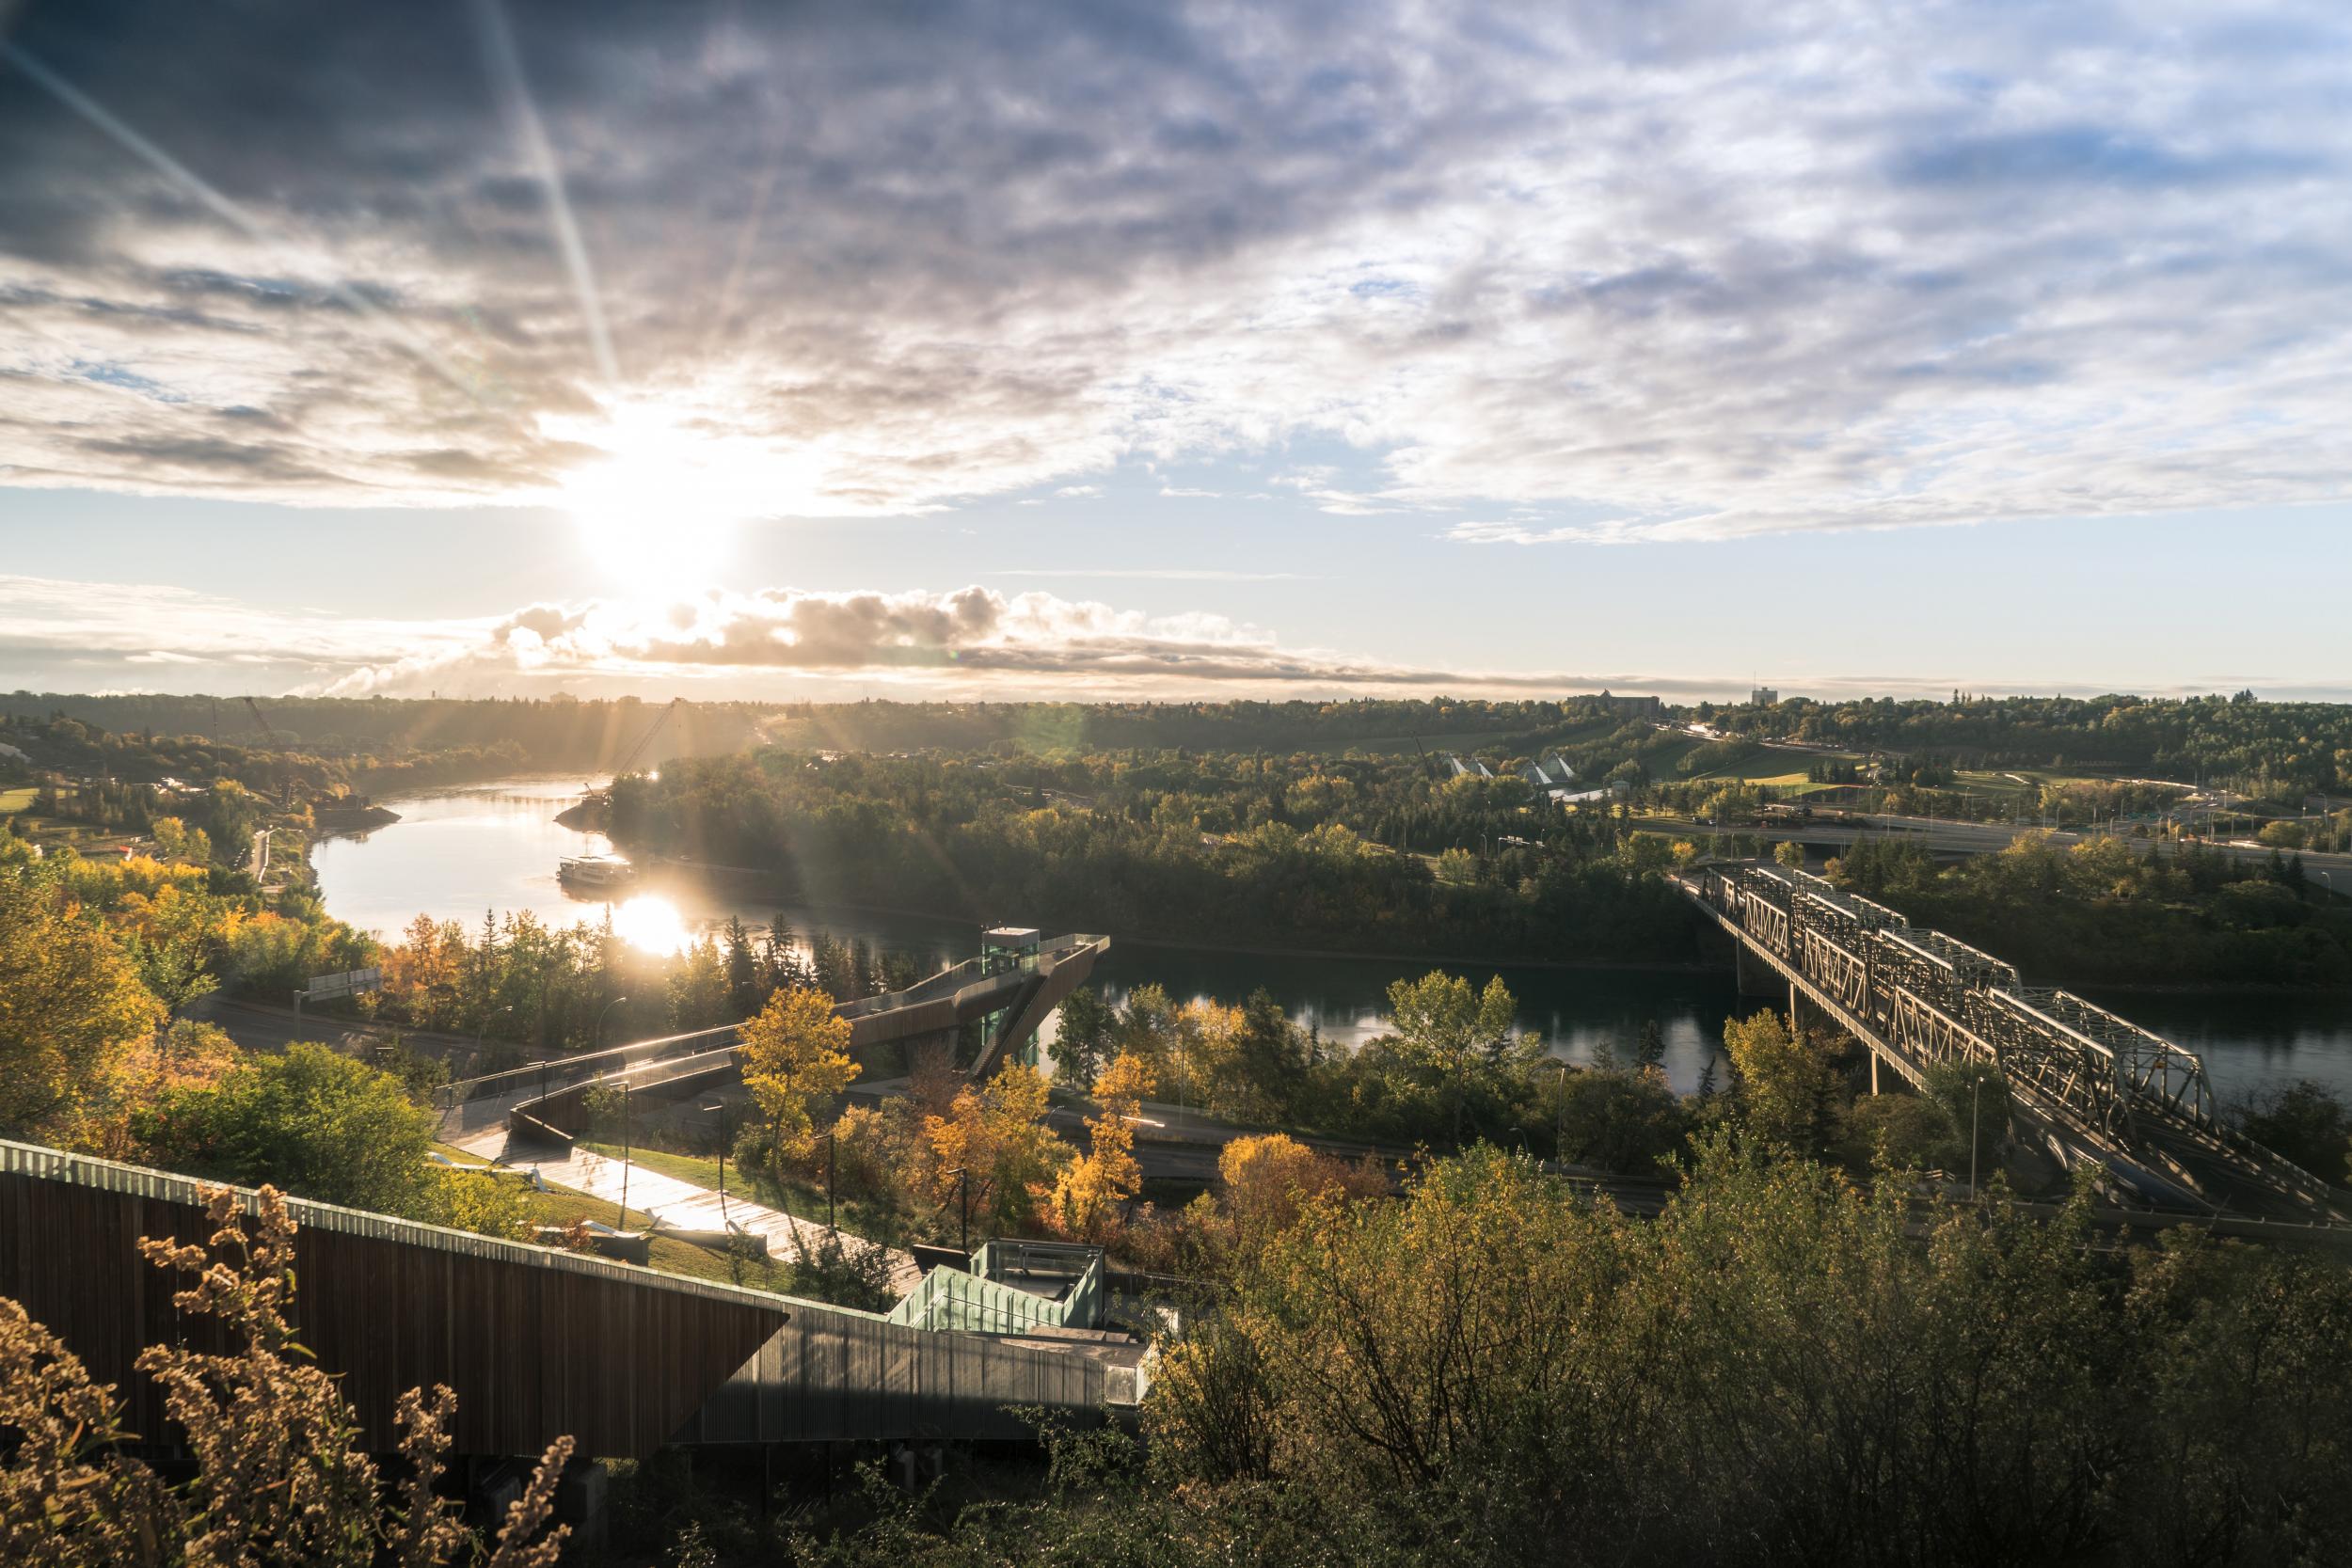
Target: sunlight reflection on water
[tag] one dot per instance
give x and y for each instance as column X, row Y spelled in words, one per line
column 651, row 924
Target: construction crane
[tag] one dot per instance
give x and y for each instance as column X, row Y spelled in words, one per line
column 282, row 767
column 629, row 761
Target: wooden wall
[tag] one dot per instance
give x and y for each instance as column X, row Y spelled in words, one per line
column 536, row 1343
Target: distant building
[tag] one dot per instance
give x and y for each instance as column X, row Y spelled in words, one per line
column 1764, row 696
column 1636, row 707
column 1551, row 772
column 1457, row 769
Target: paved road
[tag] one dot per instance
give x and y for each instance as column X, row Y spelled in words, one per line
column 258, row 1026
column 1978, row 838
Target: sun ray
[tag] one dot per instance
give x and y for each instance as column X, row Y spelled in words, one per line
column 514, row 91
column 190, row 183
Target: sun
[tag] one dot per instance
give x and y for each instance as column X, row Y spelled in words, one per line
column 659, row 510
column 676, row 555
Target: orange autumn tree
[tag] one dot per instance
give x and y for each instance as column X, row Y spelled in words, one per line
column 1271, row 1180
column 1095, row 1187
column 995, row 1132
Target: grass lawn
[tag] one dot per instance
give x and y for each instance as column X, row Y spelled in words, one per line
column 669, row 1255
column 1781, row 769
column 802, row 1200
column 559, row 1206
column 14, row 800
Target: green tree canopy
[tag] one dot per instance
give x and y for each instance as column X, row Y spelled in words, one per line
column 311, row 1121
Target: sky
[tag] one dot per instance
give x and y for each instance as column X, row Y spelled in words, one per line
column 1174, row 350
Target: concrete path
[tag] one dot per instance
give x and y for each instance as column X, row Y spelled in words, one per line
column 682, row 1206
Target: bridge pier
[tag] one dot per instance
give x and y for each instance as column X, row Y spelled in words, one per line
column 1754, row 977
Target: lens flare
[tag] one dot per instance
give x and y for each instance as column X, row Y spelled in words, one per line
column 651, row 924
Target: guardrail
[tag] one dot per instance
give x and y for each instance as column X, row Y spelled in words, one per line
column 562, row 1071
column 977, row 1302
column 953, row 979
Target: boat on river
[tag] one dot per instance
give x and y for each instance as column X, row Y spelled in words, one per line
column 594, row 871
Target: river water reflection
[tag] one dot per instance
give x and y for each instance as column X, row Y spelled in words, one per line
column 458, row 853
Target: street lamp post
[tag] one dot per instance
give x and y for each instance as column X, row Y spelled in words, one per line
column 1559, row 1110
column 595, row 1038
column 485, row 1029
column 829, row 1153
column 621, row 1223
column 1974, row 1084
column 721, row 1107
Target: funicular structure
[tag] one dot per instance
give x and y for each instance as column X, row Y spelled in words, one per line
column 2100, row 1088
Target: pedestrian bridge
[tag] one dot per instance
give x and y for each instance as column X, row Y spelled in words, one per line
column 1008, row 996
column 2096, row 1088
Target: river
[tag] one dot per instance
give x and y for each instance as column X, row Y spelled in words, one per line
column 458, row 852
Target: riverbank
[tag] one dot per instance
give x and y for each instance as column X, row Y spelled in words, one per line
column 776, row 883
column 496, row 846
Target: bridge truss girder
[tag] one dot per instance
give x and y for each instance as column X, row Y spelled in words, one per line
column 1927, row 999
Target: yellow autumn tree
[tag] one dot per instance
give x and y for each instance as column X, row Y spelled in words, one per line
column 71, row 1008
column 1095, row 1187
column 1787, row 1086
column 796, row 1059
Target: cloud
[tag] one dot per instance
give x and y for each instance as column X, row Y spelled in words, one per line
column 970, row 635
column 785, row 643
column 1705, row 271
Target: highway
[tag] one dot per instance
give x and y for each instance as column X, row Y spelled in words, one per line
column 1944, row 836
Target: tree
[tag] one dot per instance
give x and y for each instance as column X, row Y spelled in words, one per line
column 744, row 997
column 1789, row 1092
column 1269, row 1063
column 995, row 1134
column 313, row 1122
column 1902, row 1131
column 700, row 994
column 796, row 1059
column 2309, row 1124
column 1093, row 1188
column 1082, row 1036
column 1269, row 1181
column 72, row 1008
column 1789, row 853
column 1973, row 1095
column 1619, row 1120
column 1455, row 1033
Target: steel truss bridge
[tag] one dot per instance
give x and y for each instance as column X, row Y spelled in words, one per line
column 2097, row 1089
